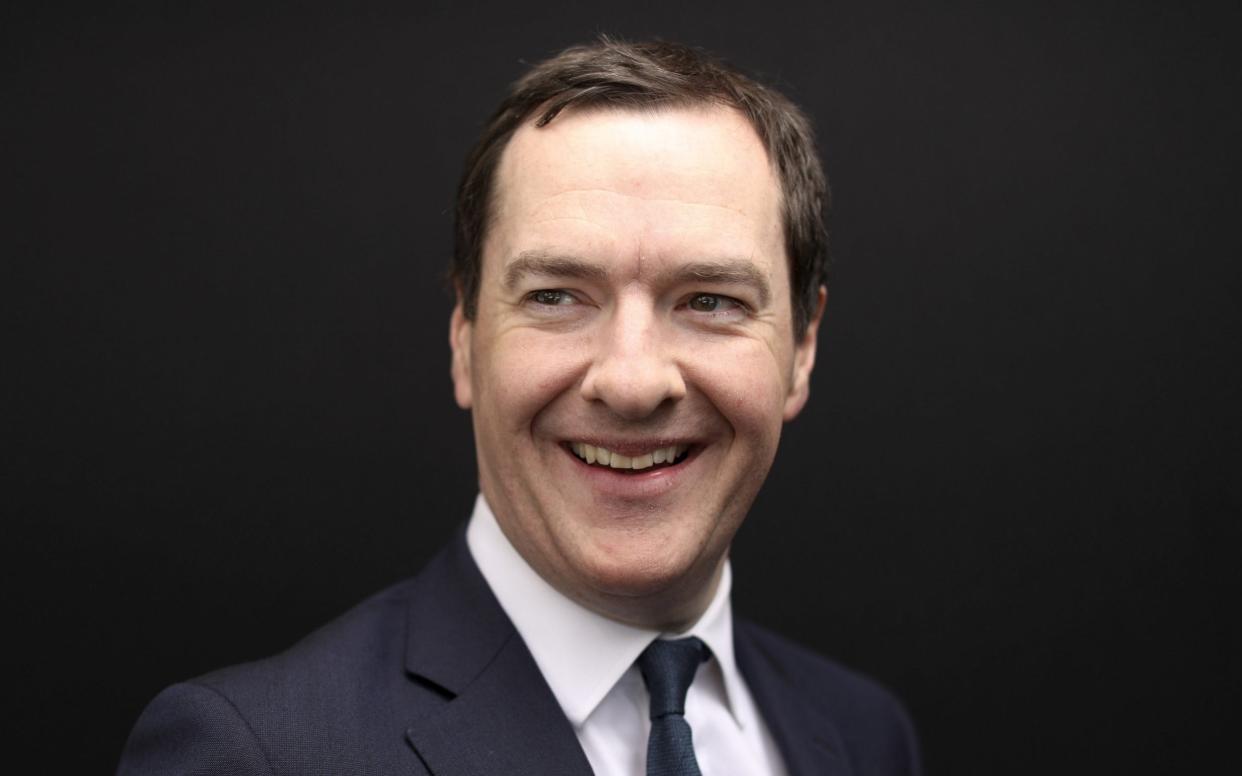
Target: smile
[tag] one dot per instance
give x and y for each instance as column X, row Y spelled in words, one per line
column 602, row 456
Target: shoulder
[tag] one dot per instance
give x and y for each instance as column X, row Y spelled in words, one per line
column 850, row 694
column 192, row 725
column 335, row 659
column 324, row 700
column 872, row 723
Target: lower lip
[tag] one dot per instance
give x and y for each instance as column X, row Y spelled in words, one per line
column 631, row 484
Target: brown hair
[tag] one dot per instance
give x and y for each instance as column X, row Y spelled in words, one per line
column 612, row 73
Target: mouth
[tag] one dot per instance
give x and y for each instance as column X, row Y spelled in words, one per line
column 633, row 460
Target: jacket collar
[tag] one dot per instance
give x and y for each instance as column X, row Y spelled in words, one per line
column 500, row 717
column 803, row 730
column 460, row 642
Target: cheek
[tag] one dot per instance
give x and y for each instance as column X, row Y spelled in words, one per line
column 747, row 385
column 523, row 371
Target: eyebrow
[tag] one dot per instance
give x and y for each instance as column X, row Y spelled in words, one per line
column 732, row 272
column 538, row 263
column 736, row 272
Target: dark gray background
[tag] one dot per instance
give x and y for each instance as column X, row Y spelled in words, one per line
column 1013, row 497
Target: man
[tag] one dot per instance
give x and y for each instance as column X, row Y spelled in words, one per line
column 639, row 275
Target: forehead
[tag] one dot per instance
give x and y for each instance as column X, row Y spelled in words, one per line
column 676, row 181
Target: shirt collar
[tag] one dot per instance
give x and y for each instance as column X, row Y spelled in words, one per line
column 580, row 653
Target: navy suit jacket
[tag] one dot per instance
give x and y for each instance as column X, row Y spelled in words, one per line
column 430, row 677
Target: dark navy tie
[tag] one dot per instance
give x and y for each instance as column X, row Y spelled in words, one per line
column 668, row 668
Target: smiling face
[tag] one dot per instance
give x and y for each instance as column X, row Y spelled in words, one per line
column 634, row 304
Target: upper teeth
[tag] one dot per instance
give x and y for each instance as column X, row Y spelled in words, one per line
column 605, row 457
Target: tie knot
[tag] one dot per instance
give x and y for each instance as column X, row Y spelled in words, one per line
column 668, row 668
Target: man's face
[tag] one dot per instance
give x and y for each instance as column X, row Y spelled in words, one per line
column 634, row 299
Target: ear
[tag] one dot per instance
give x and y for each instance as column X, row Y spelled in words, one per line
column 460, row 330
column 804, row 361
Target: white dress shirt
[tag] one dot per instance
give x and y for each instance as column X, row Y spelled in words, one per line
column 588, row 661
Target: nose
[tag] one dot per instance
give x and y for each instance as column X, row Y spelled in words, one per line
column 633, row 370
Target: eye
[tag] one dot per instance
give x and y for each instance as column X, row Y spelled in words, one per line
column 712, row 303
column 551, row 297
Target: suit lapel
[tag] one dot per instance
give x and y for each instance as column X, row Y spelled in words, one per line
column 501, row 716
column 807, row 738
column 507, row 721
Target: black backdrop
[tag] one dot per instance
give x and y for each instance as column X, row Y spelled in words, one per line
column 227, row 414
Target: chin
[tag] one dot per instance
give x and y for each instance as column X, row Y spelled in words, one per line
column 637, row 570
